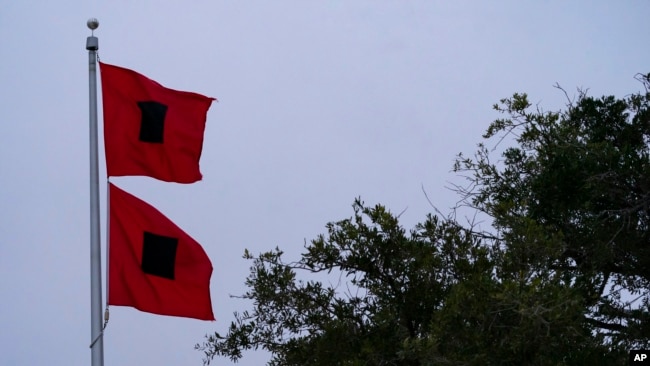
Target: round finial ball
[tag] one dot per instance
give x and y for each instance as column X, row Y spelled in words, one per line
column 92, row 23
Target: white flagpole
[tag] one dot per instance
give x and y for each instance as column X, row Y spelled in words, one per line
column 97, row 344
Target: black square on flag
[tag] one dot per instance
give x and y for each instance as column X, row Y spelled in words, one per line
column 159, row 255
column 152, row 125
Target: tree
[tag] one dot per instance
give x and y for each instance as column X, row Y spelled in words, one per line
column 393, row 283
column 561, row 278
column 572, row 198
column 432, row 297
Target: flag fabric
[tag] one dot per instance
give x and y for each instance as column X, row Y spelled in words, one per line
column 154, row 266
column 150, row 130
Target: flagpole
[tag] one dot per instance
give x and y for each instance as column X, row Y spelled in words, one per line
column 97, row 344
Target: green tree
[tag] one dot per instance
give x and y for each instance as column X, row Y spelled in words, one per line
column 386, row 286
column 561, row 277
column 434, row 296
column 572, row 200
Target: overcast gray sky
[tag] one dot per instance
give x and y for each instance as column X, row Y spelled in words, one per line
column 319, row 102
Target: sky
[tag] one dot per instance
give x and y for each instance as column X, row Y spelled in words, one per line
column 320, row 102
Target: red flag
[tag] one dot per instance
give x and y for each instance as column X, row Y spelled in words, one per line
column 153, row 265
column 149, row 129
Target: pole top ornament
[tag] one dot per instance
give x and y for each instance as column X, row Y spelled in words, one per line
column 92, row 23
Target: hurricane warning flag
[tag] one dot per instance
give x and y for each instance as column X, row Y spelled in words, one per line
column 154, row 266
column 150, row 130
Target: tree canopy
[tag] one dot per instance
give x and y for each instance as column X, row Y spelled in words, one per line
column 561, row 278
column 572, row 198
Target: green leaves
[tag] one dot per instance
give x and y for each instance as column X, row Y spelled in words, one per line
column 569, row 202
column 396, row 284
column 561, row 278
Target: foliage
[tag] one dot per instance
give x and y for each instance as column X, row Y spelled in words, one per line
column 562, row 278
column 580, row 180
column 433, row 296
